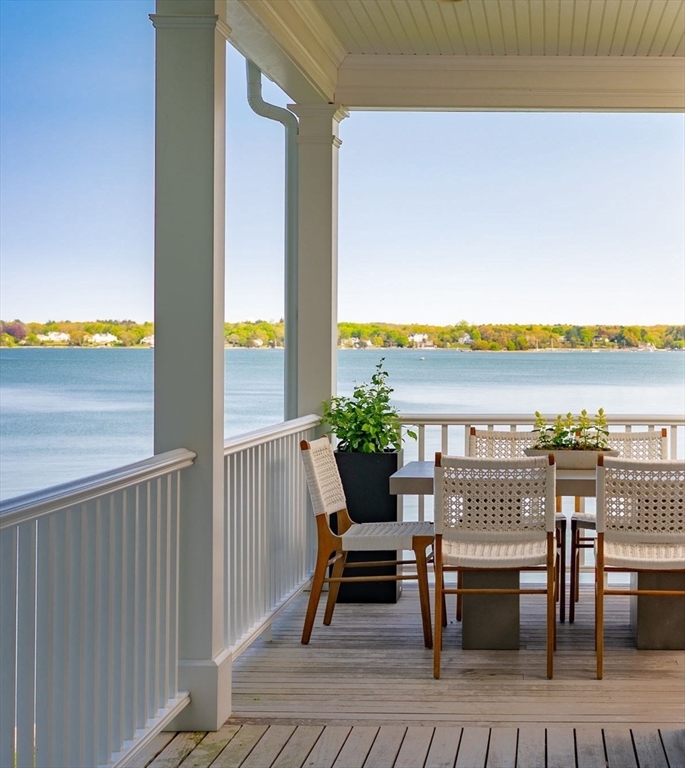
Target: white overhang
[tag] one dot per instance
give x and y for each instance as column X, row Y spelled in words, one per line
column 471, row 54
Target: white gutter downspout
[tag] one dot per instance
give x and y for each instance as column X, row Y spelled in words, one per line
column 288, row 119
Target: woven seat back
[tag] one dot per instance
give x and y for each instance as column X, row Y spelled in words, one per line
column 641, row 500
column 494, row 499
column 639, row 446
column 489, row 443
column 323, row 478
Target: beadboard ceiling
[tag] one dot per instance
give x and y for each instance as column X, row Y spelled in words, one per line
column 469, row 54
column 507, row 27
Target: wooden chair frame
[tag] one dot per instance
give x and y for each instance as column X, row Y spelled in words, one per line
column 601, row 568
column 561, row 528
column 549, row 568
column 579, row 541
column 331, row 552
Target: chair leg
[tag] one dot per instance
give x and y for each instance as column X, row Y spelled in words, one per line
column 334, row 588
column 551, row 612
column 599, row 618
column 444, row 604
column 574, row 580
column 460, row 598
column 424, row 594
column 439, row 600
column 314, row 595
column 561, row 569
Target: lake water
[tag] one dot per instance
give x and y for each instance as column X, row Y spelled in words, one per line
column 68, row 413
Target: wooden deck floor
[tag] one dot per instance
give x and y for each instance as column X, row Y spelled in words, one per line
column 362, row 695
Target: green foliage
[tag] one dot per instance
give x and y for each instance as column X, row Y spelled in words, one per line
column 366, row 422
column 566, row 433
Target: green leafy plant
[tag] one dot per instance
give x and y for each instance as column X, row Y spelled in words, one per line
column 366, row 422
column 571, row 434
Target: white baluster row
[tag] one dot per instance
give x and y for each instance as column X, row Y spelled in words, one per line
column 269, row 527
column 88, row 614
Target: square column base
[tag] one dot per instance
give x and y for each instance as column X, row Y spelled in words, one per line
column 490, row 622
column 658, row 623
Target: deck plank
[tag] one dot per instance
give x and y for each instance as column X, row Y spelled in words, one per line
column 177, row 749
column 240, row 746
column 357, row 747
column 590, row 748
column 415, row 746
column 210, row 747
column 561, row 748
column 300, row 744
column 502, row 750
column 386, row 747
column 473, row 748
column 531, row 747
column 153, row 748
column 649, row 749
column 327, row 747
column 674, row 744
column 619, row 747
column 269, row 747
column 444, row 747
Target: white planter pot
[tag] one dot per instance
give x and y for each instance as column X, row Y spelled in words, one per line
column 571, row 459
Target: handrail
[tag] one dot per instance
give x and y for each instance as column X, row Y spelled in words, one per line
column 31, row 506
column 285, row 428
column 524, row 419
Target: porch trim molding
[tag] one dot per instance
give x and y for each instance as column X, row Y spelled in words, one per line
column 507, row 82
column 164, row 21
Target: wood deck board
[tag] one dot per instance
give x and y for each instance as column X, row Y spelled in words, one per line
column 362, row 694
column 177, row 749
column 210, row 747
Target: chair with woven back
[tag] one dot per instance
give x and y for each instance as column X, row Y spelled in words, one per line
column 328, row 497
column 494, row 514
column 640, row 528
column 500, row 444
column 649, row 445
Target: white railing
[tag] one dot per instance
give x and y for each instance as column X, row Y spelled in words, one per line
column 270, row 541
column 448, row 433
column 88, row 616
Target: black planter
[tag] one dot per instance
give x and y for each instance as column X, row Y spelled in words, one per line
column 366, row 480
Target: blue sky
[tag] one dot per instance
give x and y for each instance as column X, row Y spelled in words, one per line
column 493, row 217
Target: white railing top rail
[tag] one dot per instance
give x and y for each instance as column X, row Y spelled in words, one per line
column 258, row 436
column 467, row 419
column 30, row 506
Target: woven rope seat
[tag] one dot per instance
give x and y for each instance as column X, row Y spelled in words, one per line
column 655, row 557
column 494, row 554
column 372, row 536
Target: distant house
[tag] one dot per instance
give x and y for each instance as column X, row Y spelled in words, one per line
column 465, row 338
column 54, row 337
column 102, row 339
column 420, row 340
column 149, row 340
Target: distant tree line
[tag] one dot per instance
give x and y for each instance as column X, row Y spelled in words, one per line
column 264, row 334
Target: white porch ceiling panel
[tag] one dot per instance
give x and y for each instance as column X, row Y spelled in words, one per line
column 472, row 54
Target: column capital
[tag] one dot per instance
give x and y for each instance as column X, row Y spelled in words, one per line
column 334, row 112
column 202, row 21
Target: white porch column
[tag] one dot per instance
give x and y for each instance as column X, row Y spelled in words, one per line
column 317, row 253
column 189, row 329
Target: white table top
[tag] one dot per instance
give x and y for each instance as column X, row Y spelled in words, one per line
column 416, row 478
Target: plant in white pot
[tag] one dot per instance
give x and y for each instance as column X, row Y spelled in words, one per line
column 369, row 434
column 575, row 442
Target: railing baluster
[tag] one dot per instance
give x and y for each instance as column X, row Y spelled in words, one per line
column 26, row 643
column 8, row 645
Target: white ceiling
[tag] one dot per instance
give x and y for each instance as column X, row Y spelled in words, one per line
column 469, row 54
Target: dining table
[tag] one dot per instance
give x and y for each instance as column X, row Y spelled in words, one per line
column 492, row 622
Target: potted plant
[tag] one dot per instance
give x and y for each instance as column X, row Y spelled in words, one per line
column 575, row 442
column 369, row 450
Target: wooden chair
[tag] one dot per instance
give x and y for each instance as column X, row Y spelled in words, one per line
column 640, row 527
column 640, row 446
column 494, row 514
column 328, row 497
column 493, row 444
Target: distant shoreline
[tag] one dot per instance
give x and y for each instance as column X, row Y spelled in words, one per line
column 459, row 350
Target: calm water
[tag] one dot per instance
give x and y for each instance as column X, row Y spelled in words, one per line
column 68, row 413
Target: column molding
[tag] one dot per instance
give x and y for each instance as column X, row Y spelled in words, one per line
column 190, row 130
column 317, row 282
